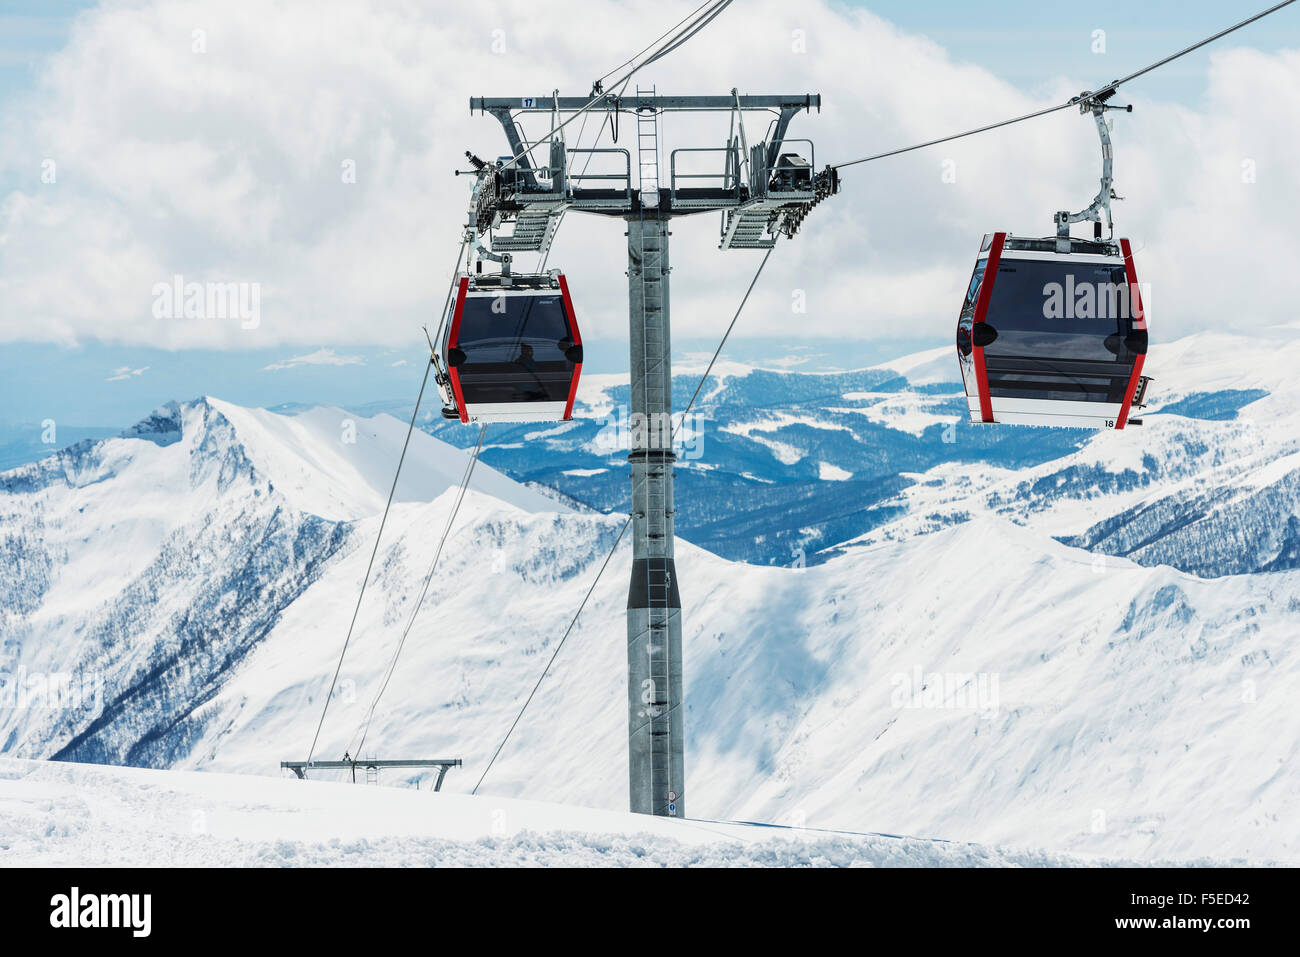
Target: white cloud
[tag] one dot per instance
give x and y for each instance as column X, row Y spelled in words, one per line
column 321, row 357
column 126, row 372
column 226, row 166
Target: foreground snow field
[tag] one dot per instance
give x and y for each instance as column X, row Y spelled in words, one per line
column 60, row 814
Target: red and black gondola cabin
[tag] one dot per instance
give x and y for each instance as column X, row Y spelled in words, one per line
column 1047, row 337
column 512, row 350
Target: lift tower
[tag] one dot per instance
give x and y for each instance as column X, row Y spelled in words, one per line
column 762, row 192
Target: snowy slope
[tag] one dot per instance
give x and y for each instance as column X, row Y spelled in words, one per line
column 70, row 814
column 1136, row 712
column 143, row 569
column 338, row 466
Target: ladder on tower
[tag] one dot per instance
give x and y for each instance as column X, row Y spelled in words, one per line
column 661, row 757
column 647, row 149
column 656, row 383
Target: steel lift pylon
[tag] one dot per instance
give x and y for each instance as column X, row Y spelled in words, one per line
column 762, row 192
column 656, row 753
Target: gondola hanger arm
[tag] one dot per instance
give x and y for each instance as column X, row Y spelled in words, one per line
column 1097, row 104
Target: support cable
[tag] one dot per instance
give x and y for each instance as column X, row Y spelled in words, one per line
column 1108, row 88
column 682, row 37
column 446, row 531
column 677, row 40
column 379, row 535
column 375, row 551
column 718, row 351
column 632, row 59
column 955, row 136
column 547, row 669
column 1195, row 46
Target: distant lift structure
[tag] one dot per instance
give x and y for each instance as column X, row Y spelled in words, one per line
column 1053, row 331
column 761, row 191
column 371, row 767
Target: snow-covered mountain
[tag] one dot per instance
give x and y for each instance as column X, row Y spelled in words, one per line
column 1209, row 485
column 152, row 564
column 959, row 666
column 785, row 467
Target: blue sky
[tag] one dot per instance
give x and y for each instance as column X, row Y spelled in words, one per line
column 1029, row 41
column 1023, row 41
column 29, row 30
column 1027, row 45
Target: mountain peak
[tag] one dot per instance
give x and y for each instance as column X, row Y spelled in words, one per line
column 162, row 426
column 338, row 465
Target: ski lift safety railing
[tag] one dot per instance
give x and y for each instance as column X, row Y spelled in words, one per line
column 534, row 179
column 728, row 177
column 625, row 177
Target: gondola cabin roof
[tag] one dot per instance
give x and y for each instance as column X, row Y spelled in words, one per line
column 1053, row 337
column 512, row 351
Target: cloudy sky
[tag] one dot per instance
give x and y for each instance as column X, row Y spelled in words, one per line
column 208, row 139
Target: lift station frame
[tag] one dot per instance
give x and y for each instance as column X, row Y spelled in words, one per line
column 762, row 192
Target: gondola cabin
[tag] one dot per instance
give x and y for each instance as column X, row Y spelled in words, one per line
column 1053, row 338
column 512, row 351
